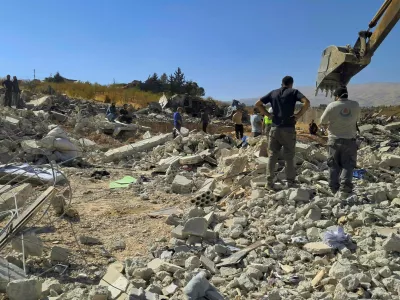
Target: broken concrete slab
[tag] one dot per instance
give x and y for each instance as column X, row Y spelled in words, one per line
column 140, row 146
column 59, row 254
column 165, row 163
column 33, row 245
column 43, row 101
column 27, row 289
column 191, row 160
column 115, row 282
column 19, row 193
column 9, row 272
column 393, row 126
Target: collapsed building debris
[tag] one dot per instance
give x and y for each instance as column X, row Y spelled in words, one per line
column 232, row 240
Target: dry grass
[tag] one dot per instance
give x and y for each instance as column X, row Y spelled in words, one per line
column 86, row 90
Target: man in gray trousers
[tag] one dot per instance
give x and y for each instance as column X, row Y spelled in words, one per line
column 341, row 117
column 283, row 131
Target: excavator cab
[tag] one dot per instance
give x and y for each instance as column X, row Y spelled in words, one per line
column 340, row 64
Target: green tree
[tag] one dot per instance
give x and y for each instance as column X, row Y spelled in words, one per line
column 57, row 78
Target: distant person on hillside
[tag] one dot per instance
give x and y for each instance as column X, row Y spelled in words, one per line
column 178, row 120
column 256, row 123
column 283, row 131
column 112, row 112
column 125, row 116
column 313, row 128
column 15, row 93
column 205, row 119
column 341, row 117
column 237, row 119
column 7, row 84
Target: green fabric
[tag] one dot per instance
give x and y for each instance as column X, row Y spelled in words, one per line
column 122, row 183
column 267, row 120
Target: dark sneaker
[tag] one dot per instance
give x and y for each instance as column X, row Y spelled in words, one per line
column 292, row 184
column 270, row 186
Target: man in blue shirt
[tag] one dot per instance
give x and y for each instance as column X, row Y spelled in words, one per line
column 283, row 131
column 178, row 119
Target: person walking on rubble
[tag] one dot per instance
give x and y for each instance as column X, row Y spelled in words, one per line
column 237, row 119
column 283, row 131
column 178, row 120
column 205, row 119
column 256, row 123
column 340, row 118
column 15, row 93
column 8, row 85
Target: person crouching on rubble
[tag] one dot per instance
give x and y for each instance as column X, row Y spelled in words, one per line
column 178, row 120
column 340, row 118
column 124, row 115
column 111, row 113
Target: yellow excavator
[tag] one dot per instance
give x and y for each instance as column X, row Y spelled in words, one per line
column 340, row 64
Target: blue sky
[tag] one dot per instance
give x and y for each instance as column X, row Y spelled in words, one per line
column 234, row 49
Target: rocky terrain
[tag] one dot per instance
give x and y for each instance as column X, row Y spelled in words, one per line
column 130, row 212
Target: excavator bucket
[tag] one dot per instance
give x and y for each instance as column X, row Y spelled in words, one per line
column 338, row 66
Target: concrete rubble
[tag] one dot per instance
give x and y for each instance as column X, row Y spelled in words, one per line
column 235, row 240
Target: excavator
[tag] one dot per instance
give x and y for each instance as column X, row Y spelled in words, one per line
column 340, row 64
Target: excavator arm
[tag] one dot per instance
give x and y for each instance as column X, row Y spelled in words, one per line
column 340, row 64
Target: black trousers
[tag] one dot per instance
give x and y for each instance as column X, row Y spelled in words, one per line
column 239, row 131
column 205, row 127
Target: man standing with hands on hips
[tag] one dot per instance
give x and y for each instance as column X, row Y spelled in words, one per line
column 283, row 131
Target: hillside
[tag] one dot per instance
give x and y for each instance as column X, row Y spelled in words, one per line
column 369, row 94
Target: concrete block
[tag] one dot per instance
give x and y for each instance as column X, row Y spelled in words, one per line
column 196, row 227
column 27, row 289
column 21, row 192
column 181, row 185
column 143, row 145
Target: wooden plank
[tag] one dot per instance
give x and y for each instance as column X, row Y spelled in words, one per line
column 23, row 218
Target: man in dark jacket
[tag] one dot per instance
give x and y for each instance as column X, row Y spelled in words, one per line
column 8, row 85
column 15, row 93
column 205, row 119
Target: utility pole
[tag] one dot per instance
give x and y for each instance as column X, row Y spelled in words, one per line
column 114, row 80
column 34, row 74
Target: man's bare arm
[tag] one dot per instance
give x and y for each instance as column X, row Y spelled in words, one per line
column 304, row 108
column 262, row 109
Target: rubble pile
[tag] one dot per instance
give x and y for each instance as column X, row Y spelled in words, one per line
column 234, row 239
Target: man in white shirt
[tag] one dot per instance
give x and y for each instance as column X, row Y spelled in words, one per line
column 340, row 118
